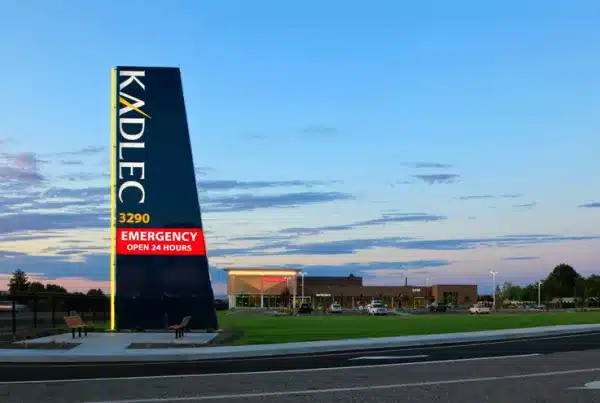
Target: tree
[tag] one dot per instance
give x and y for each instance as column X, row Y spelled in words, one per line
column 561, row 282
column 285, row 297
column 592, row 285
column 95, row 293
column 56, row 289
column 36, row 286
column 19, row 282
column 512, row 292
column 530, row 293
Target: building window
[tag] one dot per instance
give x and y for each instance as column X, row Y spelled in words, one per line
column 450, row 298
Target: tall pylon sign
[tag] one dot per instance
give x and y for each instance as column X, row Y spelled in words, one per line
column 159, row 268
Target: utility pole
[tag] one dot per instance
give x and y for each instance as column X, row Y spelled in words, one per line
column 493, row 273
column 539, row 293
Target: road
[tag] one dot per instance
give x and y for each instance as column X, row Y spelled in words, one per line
column 515, row 371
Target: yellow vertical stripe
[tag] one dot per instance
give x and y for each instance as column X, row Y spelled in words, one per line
column 113, row 200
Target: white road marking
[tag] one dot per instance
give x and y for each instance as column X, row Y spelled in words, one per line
column 590, row 385
column 308, row 355
column 350, row 389
column 388, row 357
column 285, row 371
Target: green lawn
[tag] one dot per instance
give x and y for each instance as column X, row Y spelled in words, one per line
column 282, row 329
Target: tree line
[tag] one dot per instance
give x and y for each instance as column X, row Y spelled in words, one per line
column 19, row 282
column 562, row 282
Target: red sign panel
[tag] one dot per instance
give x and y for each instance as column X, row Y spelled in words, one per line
column 160, row 241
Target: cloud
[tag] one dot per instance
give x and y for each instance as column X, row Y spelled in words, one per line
column 249, row 202
column 83, row 176
column 420, row 165
column 89, row 150
column 525, row 206
column 54, row 208
column 81, row 274
column 5, row 140
column 71, row 162
column 20, row 168
column 203, row 170
column 52, row 221
column 218, row 185
column 522, row 258
column 488, row 196
column 371, row 269
column 393, row 185
column 438, row 178
column 287, row 246
column 476, row 197
column 386, row 218
column 288, row 234
column 590, row 205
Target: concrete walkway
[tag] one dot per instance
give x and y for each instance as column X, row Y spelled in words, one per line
column 113, row 347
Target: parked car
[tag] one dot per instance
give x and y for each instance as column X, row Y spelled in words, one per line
column 478, row 309
column 305, row 308
column 377, row 309
column 6, row 306
column 335, row 308
column 438, row 307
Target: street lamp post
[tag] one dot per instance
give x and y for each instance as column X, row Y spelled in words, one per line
column 427, row 291
column 262, row 292
column 302, row 274
column 493, row 273
column 539, row 293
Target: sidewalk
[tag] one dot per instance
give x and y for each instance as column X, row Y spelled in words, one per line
column 104, row 348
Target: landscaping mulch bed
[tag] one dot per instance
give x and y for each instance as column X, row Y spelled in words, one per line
column 38, row 346
column 227, row 337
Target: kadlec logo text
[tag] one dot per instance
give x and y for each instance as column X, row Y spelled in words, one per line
column 131, row 127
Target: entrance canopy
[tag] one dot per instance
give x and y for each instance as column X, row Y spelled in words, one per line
column 261, row 287
column 261, row 281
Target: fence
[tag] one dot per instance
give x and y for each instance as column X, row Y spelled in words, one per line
column 24, row 312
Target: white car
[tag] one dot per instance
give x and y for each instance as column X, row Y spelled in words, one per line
column 335, row 308
column 377, row 309
column 478, row 309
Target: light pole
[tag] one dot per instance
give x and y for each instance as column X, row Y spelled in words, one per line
column 262, row 293
column 539, row 293
column 302, row 274
column 427, row 291
column 493, row 273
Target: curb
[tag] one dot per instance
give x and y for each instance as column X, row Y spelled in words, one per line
column 272, row 350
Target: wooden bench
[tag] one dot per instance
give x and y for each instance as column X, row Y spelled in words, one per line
column 75, row 323
column 181, row 328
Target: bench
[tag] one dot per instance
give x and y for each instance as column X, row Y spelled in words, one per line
column 181, row 328
column 75, row 323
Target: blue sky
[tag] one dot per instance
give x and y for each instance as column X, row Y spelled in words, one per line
column 434, row 140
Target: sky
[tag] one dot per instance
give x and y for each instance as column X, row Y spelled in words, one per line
column 434, row 139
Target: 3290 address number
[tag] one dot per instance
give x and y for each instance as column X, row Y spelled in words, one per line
column 131, row 218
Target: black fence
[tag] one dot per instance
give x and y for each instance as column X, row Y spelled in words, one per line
column 26, row 312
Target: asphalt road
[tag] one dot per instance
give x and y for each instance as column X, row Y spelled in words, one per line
column 513, row 370
column 551, row 378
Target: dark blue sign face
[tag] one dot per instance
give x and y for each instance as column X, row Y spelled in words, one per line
column 161, row 269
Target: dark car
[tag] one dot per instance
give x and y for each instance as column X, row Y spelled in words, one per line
column 221, row 305
column 305, row 308
column 438, row 308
